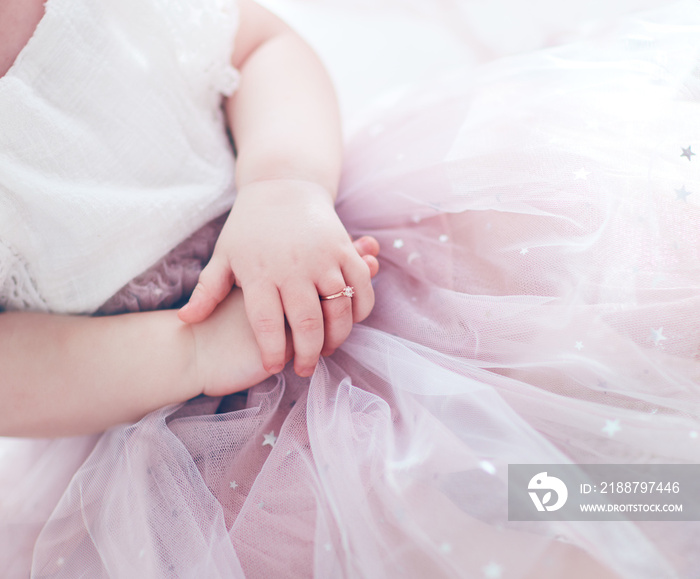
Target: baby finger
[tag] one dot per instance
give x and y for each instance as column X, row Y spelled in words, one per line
column 303, row 311
column 266, row 317
column 357, row 274
column 336, row 301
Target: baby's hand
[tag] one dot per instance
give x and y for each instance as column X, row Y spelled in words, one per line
column 285, row 246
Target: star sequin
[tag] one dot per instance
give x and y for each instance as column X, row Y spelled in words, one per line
column 413, row 256
column 270, row 438
column 444, row 238
column 233, row 484
column 579, row 346
column 524, row 251
column 693, row 434
column 492, row 571
column 446, row 548
column 682, row 194
column 581, row 174
column 657, row 336
column 398, row 243
column 688, row 153
column 611, row 427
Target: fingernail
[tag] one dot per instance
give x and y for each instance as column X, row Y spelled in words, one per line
column 276, row 369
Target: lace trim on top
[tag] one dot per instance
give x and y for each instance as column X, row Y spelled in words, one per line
column 18, row 289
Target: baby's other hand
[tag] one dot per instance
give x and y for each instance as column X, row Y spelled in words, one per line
column 200, row 307
column 287, row 279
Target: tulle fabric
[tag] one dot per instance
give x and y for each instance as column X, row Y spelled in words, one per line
column 538, row 279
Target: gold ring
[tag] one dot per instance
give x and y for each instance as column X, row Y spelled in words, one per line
column 347, row 291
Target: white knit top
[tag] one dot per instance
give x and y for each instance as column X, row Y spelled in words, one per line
column 113, row 146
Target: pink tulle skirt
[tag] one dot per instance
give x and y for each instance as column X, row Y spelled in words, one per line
column 540, row 233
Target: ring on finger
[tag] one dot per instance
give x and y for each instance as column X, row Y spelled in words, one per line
column 347, row 291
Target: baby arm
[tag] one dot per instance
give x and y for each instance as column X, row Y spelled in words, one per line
column 68, row 375
column 283, row 243
column 65, row 375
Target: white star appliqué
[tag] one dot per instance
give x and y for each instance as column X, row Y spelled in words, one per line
column 688, row 153
column 581, row 175
column 524, row 251
column 657, row 336
column 611, row 427
column 682, row 194
column 233, row 484
column 270, row 438
column 398, row 243
column 579, row 346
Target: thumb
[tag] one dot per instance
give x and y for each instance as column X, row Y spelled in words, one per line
column 215, row 283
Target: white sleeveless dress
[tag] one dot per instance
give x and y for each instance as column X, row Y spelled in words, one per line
column 537, row 303
column 111, row 145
